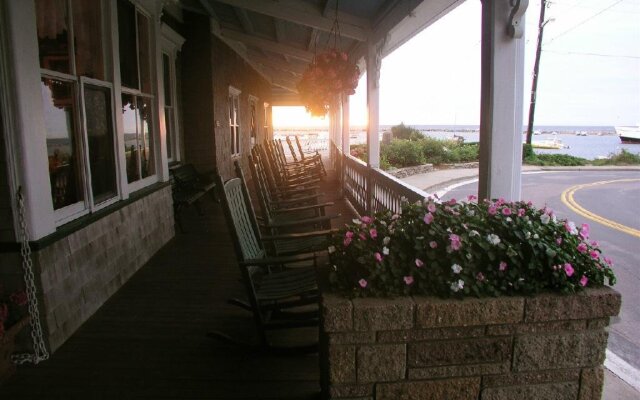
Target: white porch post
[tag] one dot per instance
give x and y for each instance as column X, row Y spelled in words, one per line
column 345, row 125
column 27, row 159
column 501, row 102
column 373, row 104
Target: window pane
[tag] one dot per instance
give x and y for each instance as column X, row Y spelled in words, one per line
column 102, row 162
column 58, row 100
column 87, row 31
column 166, row 69
column 144, row 56
column 127, row 43
column 53, row 35
column 147, row 161
column 130, row 122
column 168, row 122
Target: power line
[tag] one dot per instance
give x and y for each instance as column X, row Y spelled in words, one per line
column 591, row 54
column 584, row 21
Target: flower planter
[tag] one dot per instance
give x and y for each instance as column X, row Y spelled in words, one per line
column 7, row 346
column 547, row 346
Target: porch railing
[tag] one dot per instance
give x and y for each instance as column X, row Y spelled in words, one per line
column 371, row 190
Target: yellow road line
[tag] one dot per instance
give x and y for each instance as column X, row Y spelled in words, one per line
column 569, row 201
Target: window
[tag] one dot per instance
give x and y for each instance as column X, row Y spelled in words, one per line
column 267, row 113
column 137, row 97
column 234, row 120
column 253, row 127
column 77, row 102
column 171, row 44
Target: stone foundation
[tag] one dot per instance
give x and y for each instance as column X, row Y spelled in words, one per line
column 528, row 348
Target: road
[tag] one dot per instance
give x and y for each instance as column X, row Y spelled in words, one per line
column 609, row 201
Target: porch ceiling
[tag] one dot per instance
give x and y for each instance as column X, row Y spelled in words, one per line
column 279, row 38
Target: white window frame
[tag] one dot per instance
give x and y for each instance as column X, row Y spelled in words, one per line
column 171, row 44
column 86, row 205
column 234, row 122
column 265, row 123
column 253, row 100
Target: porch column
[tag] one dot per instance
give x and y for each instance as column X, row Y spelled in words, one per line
column 345, row 125
column 502, row 74
column 21, row 98
column 374, row 59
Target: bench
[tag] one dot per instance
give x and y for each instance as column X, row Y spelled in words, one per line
column 188, row 186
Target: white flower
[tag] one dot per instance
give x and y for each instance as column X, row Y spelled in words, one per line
column 527, row 235
column 508, row 219
column 384, row 223
column 455, row 286
column 469, row 256
column 536, row 236
column 419, row 237
column 471, row 213
column 493, row 239
column 386, row 240
column 456, row 268
column 356, row 221
column 545, row 218
column 571, row 227
column 474, row 233
column 554, row 218
column 385, row 250
column 331, row 249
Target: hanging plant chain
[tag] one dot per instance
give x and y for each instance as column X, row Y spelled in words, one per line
column 40, row 350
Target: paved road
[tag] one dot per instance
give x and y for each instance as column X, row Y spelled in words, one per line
column 612, row 209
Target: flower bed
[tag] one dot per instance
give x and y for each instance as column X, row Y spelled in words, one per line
column 430, row 304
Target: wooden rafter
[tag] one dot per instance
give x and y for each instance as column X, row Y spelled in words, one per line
column 244, row 19
column 303, row 13
column 266, row 44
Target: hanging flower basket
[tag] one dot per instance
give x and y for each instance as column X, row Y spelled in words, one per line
column 330, row 75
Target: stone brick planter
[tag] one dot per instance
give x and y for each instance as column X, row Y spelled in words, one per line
column 543, row 347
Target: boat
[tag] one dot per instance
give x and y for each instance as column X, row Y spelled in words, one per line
column 629, row 134
column 581, row 133
column 554, row 144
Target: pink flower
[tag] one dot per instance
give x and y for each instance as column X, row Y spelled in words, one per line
column 433, row 244
column 408, row 280
column 363, row 283
column 453, row 202
column 455, row 241
column 366, row 219
column 608, row 261
column 584, row 231
column 521, row 212
column 378, row 257
column 500, row 201
column 348, row 234
column 529, row 203
column 506, row 211
column 492, row 210
column 480, row 277
column 471, row 197
column 594, row 254
column 559, row 241
column 428, row 218
column 584, row 280
column 502, row 266
column 419, row 263
column 362, row 236
column 346, row 241
column 431, row 207
column 373, row 232
column 594, row 243
column 582, row 248
column 568, row 269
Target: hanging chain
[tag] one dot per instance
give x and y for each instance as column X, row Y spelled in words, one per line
column 39, row 348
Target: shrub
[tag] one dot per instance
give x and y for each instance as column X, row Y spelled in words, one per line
column 623, row 158
column 555, row 160
column 457, row 249
column 406, row 132
column 403, row 153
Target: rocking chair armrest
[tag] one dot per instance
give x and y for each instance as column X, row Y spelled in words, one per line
column 302, row 208
column 285, row 236
column 288, row 190
column 278, row 260
column 298, row 222
column 284, row 203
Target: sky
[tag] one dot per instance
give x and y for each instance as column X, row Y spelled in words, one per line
column 589, row 70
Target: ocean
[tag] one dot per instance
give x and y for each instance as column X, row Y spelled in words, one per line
column 599, row 142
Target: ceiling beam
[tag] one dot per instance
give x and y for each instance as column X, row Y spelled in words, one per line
column 312, row 39
column 274, row 63
column 303, row 13
column 329, row 8
column 265, row 44
column 284, row 84
column 279, row 25
column 207, row 6
column 246, row 23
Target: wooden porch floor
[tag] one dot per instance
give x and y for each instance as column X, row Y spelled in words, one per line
column 149, row 340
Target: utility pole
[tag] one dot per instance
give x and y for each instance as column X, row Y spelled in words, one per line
column 536, row 67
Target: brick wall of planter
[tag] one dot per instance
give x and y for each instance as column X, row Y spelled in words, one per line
column 543, row 347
